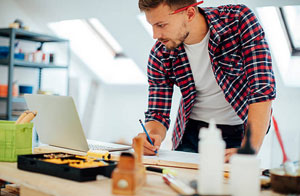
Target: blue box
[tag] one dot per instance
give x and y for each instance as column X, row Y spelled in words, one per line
column 25, row 89
column 4, row 51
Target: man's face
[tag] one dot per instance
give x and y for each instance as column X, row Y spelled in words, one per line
column 169, row 29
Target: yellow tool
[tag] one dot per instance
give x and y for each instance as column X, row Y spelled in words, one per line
column 100, row 154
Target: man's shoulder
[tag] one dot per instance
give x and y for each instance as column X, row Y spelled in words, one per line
column 229, row 11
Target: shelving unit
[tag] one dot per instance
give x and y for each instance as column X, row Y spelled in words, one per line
column 20, row 34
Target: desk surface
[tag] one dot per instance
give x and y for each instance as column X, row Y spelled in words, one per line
column 49, row 185
column 58, row 186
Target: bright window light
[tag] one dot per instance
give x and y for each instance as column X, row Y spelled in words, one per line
column 292, row 15
column 142, row 18
column 93, row 51
column 106, row 35
column 278, row 41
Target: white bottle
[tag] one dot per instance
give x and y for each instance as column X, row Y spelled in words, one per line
column 212, row 151
column 245, row 172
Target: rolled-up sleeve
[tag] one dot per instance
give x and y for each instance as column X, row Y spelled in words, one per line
column 257, row 58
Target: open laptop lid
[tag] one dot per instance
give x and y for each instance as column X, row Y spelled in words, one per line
column 57, row 122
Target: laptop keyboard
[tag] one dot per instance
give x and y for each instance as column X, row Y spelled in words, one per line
column 96, row 145
column 99, row 147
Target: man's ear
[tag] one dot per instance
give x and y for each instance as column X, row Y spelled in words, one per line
column 191, row 13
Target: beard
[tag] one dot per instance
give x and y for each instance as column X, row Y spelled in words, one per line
column 174, row 43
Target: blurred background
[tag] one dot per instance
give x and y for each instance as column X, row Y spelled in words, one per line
column 103, row 66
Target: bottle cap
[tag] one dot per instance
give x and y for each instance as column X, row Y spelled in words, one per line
column 213, row 131
column 247, row 149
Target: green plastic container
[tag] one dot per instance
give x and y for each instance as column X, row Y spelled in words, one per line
column 15, row 140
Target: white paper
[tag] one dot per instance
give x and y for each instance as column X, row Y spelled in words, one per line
column 176, row 156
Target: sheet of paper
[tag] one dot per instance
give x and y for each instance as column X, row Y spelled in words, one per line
column 176, row 156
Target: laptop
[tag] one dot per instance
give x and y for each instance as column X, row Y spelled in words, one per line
column 57, row 123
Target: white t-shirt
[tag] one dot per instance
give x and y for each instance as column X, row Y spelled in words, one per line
column 210, row 100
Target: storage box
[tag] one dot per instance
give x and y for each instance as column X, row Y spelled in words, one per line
column 15, row 140
column 4, row 89
column 38, row 163
column 4, row 51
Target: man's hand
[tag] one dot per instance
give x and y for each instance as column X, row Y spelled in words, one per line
column 157, row 133
column 149, row 149
column 228, row 153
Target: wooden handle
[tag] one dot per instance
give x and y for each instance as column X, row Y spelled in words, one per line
column 29, row 117
column 21, row 117
column 138, row 149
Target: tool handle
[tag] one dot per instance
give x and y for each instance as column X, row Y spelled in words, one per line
column 29, row 117
column 279, row 139
column 154, row 169
column 21, row 117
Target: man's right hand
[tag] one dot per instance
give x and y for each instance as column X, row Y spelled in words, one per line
column 157, row 133
column 149, row 149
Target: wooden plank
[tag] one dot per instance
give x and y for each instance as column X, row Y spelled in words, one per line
column 27, row 191
column 12, row 188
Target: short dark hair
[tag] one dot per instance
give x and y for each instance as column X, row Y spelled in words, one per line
column 146, row 5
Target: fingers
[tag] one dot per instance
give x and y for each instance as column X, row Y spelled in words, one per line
column 149, row 149
column 227, row 158
column 228, row 153
column 156, row 140
column 147, row 144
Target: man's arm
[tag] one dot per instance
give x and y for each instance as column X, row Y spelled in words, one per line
column 259, row 115
column 258, row 118
column 157, row 117
column 260, row 76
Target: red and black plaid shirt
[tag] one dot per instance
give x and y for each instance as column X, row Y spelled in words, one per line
column 240, row 60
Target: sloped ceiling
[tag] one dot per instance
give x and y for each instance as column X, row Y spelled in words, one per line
column 118, row 16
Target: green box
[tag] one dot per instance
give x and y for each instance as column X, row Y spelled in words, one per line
column 15, row 140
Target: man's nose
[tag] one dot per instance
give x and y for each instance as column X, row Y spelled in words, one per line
column 156, row 34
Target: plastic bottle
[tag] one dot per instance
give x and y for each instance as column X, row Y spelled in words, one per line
column 212, row 150
column 245, row 172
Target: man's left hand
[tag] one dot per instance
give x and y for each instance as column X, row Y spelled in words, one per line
column 229, row 152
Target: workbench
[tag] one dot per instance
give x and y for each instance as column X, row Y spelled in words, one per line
column 35, row 184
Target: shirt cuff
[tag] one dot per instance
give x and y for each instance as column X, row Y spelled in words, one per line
column 151, row 116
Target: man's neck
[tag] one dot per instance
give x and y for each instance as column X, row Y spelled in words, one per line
column 198, row 30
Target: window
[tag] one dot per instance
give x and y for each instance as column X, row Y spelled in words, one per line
column 286, row 63
column 291, row 18
column 97, row 49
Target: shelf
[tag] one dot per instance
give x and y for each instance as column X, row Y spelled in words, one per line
column 14, row 99
column 18, row 100
column 30, row 36
column 20, row 63
column 10, row 62
column 13, row 118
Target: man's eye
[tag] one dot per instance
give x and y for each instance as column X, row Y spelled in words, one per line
column 161, row 25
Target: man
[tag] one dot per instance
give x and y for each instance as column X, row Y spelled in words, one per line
column 221, row 62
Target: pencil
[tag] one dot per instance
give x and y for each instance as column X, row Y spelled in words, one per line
column 147, row 135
